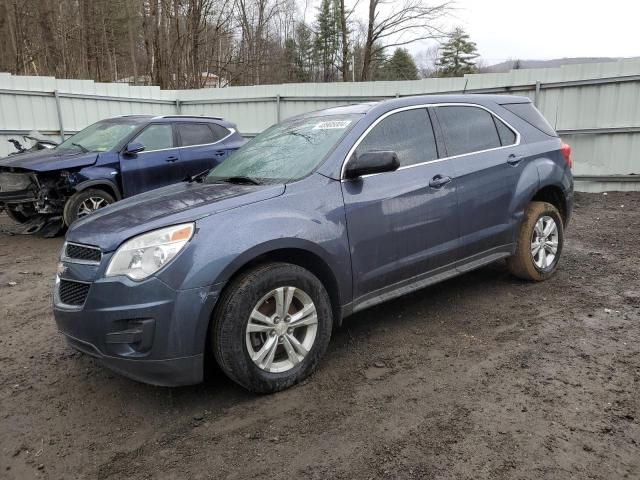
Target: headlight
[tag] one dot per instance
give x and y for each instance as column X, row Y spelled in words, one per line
column 145, row 254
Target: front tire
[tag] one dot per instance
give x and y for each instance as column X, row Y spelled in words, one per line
column 18, row 216
column 539, row 243
column 271, row 327
column 84, row 203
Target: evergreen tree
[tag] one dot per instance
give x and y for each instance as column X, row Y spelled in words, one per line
column 457, row 55
column 327, row 39
column 400, row 66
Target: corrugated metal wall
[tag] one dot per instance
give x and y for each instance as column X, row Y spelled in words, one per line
column 595, row 107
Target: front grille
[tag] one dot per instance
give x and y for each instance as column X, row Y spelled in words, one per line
column 73, row 293
column 82, row 253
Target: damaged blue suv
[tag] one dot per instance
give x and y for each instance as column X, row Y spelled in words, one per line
column 255, row 263
column 110, row 160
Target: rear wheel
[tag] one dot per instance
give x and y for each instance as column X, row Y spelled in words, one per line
column 84, row 203
column 539, row 243
column 272, row 326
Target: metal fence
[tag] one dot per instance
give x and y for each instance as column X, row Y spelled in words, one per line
column 595, row 107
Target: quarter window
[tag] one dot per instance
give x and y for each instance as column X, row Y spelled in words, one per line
column 467, row 129
column 195, row 134
column 507, row 136
column 156, row 137
column 219, row 132
column 407, row 133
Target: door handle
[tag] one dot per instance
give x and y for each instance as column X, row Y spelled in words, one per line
column 514, row 159
column 171, row 159
column 220, row 153
column 439, row 181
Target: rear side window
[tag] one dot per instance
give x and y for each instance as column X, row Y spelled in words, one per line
column 407, row 133
column 507, row 136
column 467, row 129
column 195, row 134
column 156, row 137
column 219, row 132
column 531, row 115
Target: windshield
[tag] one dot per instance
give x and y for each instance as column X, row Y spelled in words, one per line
column 287, row 151
column 100, row 137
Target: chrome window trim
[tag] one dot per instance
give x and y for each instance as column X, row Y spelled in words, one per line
column 64, row 258
column 428, row 105
column 231, row 132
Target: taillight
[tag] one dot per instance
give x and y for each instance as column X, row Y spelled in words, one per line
column 565, row 148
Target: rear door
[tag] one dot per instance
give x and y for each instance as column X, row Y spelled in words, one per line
column 401, row 224
column 488, row 162
column 202, row 146
column 157, row 165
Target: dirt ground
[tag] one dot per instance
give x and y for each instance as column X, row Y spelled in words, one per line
column 482, row 376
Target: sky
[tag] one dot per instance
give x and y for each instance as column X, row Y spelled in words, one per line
column 536, row 30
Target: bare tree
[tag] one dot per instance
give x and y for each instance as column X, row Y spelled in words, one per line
column 405, row 22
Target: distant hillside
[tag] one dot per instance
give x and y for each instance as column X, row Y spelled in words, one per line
column 517, row 63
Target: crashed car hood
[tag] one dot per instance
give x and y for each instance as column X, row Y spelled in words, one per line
column 48, row 160
column 182, row 202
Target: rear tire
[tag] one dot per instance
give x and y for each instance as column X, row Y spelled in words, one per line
column 247, row 322
column 84, row 203
column 539, row 243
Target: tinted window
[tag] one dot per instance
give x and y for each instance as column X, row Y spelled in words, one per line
column 156, row 137
column 219, row 132
column 195, row 134
column 507, row 136
column 531, row 115
column 407, row 133
column 467, row 129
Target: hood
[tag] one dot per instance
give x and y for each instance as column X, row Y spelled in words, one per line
column 47, row 160
column 182, row 202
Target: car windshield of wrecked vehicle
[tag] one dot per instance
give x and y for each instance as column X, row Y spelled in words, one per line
column 99, row 137
column 286, row 152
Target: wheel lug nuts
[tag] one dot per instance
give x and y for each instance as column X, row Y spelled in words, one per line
column 272, row 333
column 287, row 319
column 280, row 339
column 290, row 331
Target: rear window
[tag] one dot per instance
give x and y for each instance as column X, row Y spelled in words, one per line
column 467, row 129
column 195, row 134
column 531, row 115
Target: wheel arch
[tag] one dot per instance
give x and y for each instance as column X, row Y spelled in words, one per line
column 553, row 194
column 105, row 185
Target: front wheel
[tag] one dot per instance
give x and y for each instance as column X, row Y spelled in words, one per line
column 20, row 215
column 84, row 203
column 539, row 243
column 271, row 327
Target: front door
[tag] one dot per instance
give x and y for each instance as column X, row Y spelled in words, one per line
column 403, row 224
column 156, row 166
column 201, row 145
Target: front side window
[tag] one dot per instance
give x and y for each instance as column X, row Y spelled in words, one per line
column 407, row 133
column 156, row 137
column 286, row 152
column 467, row 129
column 195, row 134
column 100, row 137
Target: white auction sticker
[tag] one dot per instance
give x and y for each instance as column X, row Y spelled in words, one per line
column 337, row 124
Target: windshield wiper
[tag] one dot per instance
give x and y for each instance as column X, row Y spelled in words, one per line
column 84, row 149
column 198, row 177
column 240, row 179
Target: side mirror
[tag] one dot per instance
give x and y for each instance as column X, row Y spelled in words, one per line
column 371, row 162
column 133, row 148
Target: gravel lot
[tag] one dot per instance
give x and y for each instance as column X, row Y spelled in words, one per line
column 482, row 376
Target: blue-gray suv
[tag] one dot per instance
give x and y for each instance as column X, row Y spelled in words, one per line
column 321, row 216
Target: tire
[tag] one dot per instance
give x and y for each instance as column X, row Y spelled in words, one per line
column 74, row 207
column 16, row 216
column 525, row 263
column 231, row 342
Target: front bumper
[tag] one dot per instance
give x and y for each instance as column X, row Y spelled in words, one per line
column 144, row 330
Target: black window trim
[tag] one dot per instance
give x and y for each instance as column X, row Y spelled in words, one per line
column 141, row 131
column 429, row 105
column 176, row 124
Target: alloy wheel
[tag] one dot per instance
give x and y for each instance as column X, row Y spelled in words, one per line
column 544, row 242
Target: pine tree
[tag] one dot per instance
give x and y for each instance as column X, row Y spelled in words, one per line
column 400, row 66
column 327, row 39
column 457, row 55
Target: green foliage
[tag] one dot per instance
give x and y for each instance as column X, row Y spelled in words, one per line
column 457, row 55
column 400, row 66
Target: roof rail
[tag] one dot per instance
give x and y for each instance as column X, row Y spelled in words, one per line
column 191, row 116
